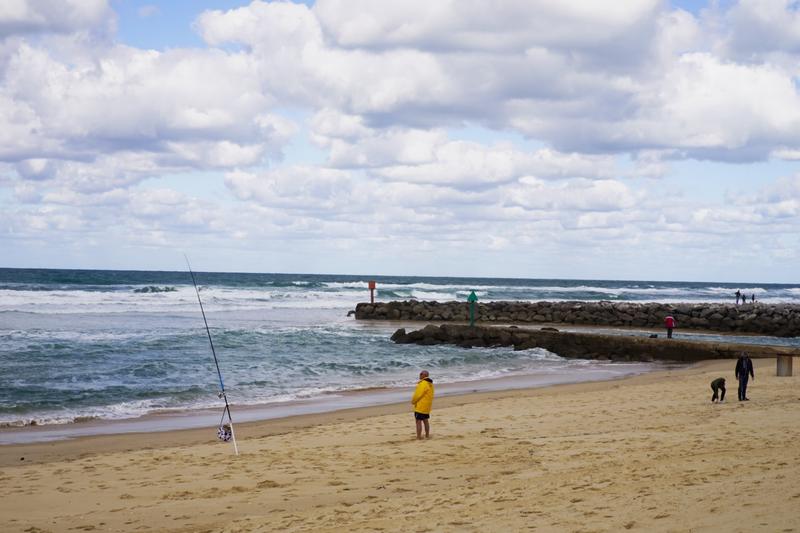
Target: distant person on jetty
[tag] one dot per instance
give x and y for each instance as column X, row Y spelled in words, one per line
column 738, row 296
column 669, row 323
column 753, row 300
column 744, row 371
column 718, row 386
column 422, row 400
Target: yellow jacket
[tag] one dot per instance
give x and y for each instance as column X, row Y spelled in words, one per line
column 423, row 396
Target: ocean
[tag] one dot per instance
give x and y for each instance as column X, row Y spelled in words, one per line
column 99, row 345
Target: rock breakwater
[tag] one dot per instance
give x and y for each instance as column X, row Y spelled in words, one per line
column 779, row 320
column 584, row 345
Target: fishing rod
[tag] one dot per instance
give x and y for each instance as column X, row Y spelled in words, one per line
column 222, row 433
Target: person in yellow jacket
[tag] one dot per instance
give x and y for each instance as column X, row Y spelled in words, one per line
column 422, row 400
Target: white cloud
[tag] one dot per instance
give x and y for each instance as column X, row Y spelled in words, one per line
column 176, row 109
column 587, row 77
column 69, row 197
column 43, row 16
column 138, row 96
column 711, row 105
column 296, row 188
column 462, row 164
column 36, row 169
column 759, row 29
column 511, row 25
column 429, row 156
column 396, row 146
column 570, row 195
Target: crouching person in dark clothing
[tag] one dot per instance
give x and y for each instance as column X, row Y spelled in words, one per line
column 718, row 386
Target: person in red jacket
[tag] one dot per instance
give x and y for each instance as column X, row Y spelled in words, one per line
column 669, row 323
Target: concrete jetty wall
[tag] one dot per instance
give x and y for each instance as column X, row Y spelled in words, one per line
column 584, row 345
column 779, row 320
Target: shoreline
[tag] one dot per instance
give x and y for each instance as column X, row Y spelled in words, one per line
column 82, row 445
column 208, row 419
column 195, row 418
column 192, row 418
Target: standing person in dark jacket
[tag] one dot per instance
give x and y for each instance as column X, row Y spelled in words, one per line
column 744, row 371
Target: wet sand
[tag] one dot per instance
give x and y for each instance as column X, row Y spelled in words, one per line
column 648, row 453
column 206, row 418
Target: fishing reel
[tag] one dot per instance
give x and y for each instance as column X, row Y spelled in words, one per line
column 224, row 433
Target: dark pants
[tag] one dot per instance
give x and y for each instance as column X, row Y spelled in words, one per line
column 743, row 387
column 669, row 333
column 718, row 393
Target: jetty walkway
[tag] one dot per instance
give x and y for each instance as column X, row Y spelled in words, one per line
column 777, row 320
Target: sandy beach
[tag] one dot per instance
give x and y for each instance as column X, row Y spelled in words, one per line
column 647, row 453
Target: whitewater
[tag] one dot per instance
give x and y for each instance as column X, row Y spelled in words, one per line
column 87, row 345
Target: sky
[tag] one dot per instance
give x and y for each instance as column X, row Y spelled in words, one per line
column 643, row 140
